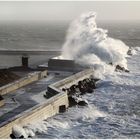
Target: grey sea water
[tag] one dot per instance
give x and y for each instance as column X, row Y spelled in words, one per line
column 51, row 36
column 114, row 108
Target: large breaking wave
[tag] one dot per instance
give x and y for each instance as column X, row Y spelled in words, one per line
column 89, row 45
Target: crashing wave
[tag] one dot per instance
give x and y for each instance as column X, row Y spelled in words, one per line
column 89, row 45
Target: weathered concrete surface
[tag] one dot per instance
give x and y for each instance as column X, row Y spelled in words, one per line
column 64, row 65
column 69, row 81
column 31, row 105
column 39, row 112
column 31, row 111
column 25, row 97
column 32, row 77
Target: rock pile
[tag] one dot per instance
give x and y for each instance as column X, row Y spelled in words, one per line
column 77, row 90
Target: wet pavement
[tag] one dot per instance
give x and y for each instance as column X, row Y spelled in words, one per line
column 25, row 98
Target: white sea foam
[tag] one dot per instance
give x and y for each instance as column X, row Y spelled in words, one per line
column 40, row 127
column 92, row 113
column 29, row 130
column 58, row 124
column 18, row 131
column 89, row 45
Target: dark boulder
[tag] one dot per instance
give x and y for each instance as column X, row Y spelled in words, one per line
column 82, row 88
column 130, row 52
column 89, row 90
column 21, row 137
column 12, row 136
column 96, row 80
column 69, row 92
column 92, row 84
column 63, row 89
column 82, row 103
column 119, row 68
column 72, row 101
column 73, row 88
column 127, row 70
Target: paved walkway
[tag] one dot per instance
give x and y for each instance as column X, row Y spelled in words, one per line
column 27, row 97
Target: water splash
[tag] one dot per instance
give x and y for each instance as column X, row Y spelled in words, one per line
column 89, row 45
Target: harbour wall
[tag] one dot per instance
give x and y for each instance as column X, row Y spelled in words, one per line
column 37, row 113
column 48, row 109
column 71, row 80
column 31, row 77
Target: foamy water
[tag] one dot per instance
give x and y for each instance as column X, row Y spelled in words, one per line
column 113, row 110
column 90, row 45
column 114, row 107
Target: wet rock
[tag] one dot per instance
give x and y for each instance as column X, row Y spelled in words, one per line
column 119, row 68
column 63, row 89
column 12, row 136
column 82, row 103
column 92, row 84
column 69, row 92
column 81, row 87
column 131, row 51
column 72, row 101
column 90, row 90
column 96, row 80
column 127, row 70
column 21, row 137
column 111, row 63
column 73, row 88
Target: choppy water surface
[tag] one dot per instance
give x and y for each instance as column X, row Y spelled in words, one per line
column 113, row 111
column 114, row 108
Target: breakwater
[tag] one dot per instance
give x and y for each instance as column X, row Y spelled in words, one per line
column 37, row 113
column 31, row 77
column 50, row 108
column 71, row 80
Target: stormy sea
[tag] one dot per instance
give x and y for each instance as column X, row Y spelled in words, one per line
column 113, row 109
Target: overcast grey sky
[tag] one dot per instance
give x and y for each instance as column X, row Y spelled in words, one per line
column 47, row 10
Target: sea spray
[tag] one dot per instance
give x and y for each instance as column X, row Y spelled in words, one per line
column 89, row 45
column 18, row 131
column 29, row 130
column 40, row 126
column 58, row 124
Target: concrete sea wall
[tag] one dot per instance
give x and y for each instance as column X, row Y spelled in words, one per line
column 37, row 113
column 69, row 81
column 32, row 77
column 48, row 109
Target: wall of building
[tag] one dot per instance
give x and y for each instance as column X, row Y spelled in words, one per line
column 64, row 65
column 37, row 113
column 32, row 77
